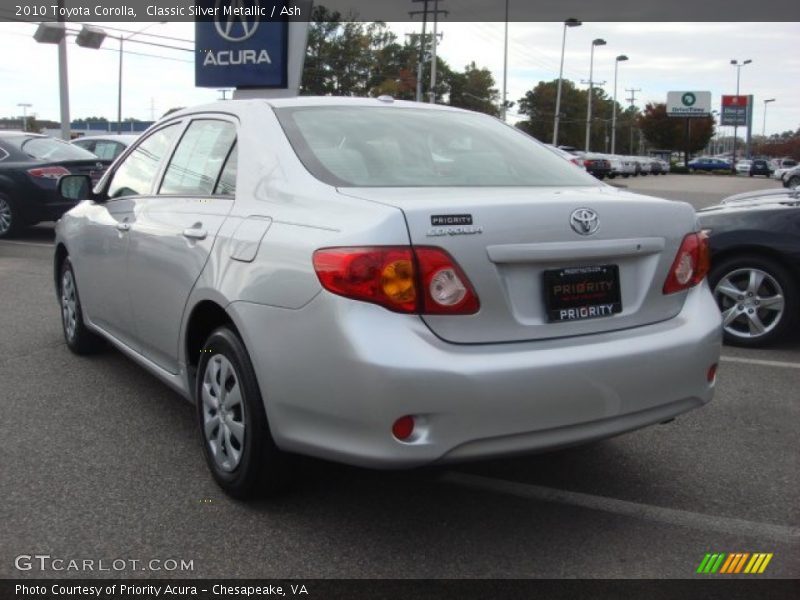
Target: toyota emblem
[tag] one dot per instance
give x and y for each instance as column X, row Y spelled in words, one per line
column 584, row 221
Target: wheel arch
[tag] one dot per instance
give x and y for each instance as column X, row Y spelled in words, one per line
column 758, row 251
column 59, row 256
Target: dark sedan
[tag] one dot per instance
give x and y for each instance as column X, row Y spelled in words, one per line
column 755, row 265
column 596, row 165
column 30, row 166
column 707, row 163
column 760, row 167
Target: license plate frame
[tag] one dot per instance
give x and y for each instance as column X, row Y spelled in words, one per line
column 581, row 293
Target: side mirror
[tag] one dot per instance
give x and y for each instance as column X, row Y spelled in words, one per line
column 75, row 187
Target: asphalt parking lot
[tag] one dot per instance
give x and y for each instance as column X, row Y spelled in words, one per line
column 102, row 461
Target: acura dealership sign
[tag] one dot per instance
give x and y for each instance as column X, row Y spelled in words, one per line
column 688, row 104
column 244, row 45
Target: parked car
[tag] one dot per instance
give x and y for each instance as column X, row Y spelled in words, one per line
column 643, row 165
column 708, row 164
column 341, row 292
column 760, row 167
column 755, row 265
column 655, row 167
column 30, row 165
column 566, row 156
column 664, row 166
column 743, row 166
column 597, row 165
column 620, row 165
column 107, row 147
column 792, row 178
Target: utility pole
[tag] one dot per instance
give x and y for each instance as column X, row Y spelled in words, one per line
column 505, row 67
column 420, row 65
column 632, row 100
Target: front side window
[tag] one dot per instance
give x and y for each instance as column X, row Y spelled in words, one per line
column 199, row 158
column 227, row 179
column 410, row 147
column 108, row 150
column 135, row 175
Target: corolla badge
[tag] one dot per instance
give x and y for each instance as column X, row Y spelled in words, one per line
column 584, row 221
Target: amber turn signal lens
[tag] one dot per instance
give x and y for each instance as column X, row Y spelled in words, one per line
column 397, row 281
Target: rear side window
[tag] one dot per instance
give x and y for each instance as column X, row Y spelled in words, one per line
column 226, row 185
column 135, row 175
column 108, row 150
column 198, row 160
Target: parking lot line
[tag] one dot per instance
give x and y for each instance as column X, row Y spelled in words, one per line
column 659, row 514
column 763, row 363
column 26, row 244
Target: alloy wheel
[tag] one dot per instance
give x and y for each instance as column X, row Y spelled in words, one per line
column 69, row 304
column 752, row 302
column 5, row 216
column 224, row 416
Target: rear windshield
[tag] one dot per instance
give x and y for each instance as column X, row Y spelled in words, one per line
column 408, row 147
column 52, row 149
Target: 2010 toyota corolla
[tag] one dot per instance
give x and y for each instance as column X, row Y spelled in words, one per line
column 385, row 284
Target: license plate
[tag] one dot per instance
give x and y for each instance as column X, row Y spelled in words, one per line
column 582, row 293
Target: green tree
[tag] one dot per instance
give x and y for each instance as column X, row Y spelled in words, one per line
column 474, row 90
column 670, row 133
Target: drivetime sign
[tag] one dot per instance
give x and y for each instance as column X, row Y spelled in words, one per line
column 243, row 45
column 688, row 104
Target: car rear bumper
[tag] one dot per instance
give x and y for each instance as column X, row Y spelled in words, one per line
column 336, row 374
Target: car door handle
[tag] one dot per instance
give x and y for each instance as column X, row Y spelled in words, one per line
column 124, row 226
column 195, row 233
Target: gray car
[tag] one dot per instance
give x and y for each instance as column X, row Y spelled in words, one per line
column 385, row 284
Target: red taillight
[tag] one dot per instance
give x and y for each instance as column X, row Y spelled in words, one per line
column 587, row 163
column 691, row 264
column 48, row 172
column 420, row 280
column 712, row 373
column 403, row 428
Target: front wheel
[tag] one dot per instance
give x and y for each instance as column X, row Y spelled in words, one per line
column 794, row 182
column 237, row 443
column 758, row 298
column 78, row 337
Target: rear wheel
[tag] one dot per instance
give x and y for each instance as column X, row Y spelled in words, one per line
column 237, row 443
column 758, row 298
column 78, row 337
column 9, row 219
column 794, row 182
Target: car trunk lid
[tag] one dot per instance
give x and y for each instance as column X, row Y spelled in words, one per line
column 512, row 242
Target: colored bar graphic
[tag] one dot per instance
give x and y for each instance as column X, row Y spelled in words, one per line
column 734, row 563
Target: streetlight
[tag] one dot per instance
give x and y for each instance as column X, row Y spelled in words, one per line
column 764, row 126
column 122, row 39
column 25, row 106
column 596, row 42
column 56, row 33
column 618, row 60
column 567, row 23
column 738, row 66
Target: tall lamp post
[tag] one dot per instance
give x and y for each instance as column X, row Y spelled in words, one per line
column 618, row 60
column 764, row 126
column 595, row 42
column 25, row 106
column 567, row 23
column 122, row 40
column 738, row 66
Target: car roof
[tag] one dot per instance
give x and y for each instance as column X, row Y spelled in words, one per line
column 304, row 101
column 122, row 137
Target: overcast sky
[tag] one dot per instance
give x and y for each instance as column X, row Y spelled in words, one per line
column 663, row 57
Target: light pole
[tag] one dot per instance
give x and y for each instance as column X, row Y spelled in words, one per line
column 596, row 42
column 618, row 60
column 567, row 23
column 122, row 40
column 764, row 126
column 738, row 66
column 25, row 106
column 56, row 33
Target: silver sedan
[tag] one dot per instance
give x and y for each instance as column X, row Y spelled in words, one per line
column 385, row 284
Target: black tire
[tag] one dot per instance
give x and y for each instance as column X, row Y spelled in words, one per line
column 794, row 182
column 261, row 468
column 77, row 336
column 779, row 326
column 9, row 217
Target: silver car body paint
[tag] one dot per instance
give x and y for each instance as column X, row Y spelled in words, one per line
column 335, row 373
